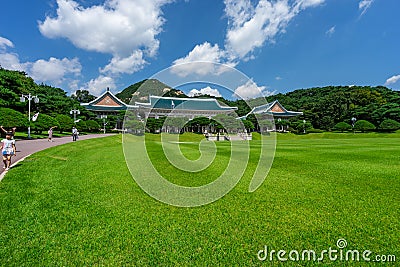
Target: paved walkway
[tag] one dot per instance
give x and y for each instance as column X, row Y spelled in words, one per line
column 28, row 147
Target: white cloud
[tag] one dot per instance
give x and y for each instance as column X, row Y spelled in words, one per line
column 331, row 31
column 364, row 5
column 131, row 64
column 122, row 28
column 251, row 90
column 99, row 85
column 204, row 52
column 198, row 61
column 249, row 26
column 10, row 61
column 4, row 43
column 278, row 78
column 204, row 91
column 53, row 70
column 392, row 80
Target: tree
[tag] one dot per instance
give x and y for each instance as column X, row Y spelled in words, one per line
column 342, row 126
column 154, row 125
column 389, row 125
column 302, row 127
column 10, row 118
column 134, row 126
column 265, row 125
column 66, row 123
column 92, row 126
column 199, row 123
column 81, row 126
column 248, row 125
column 174, row 124
column 83, row 96
column 43, row 123
column 364, row 126
column 229, row 123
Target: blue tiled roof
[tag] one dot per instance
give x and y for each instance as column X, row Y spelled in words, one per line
column 185, row 104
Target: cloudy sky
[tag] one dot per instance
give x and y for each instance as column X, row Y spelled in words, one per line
column 281, row 45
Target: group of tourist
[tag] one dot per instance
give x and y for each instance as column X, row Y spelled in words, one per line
column 8, row 148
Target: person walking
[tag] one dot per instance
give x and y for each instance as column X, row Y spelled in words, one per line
column 8, row 150
column 50, row 132
column 74, row 134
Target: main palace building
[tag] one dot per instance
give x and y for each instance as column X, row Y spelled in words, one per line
column 158, row 106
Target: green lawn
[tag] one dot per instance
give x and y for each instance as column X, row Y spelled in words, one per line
column 77, row 205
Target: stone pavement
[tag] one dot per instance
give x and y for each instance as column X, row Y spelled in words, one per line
column 28, row 147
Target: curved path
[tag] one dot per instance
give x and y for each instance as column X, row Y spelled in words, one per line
column 28, row 147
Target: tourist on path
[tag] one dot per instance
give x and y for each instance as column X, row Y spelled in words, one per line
column 74, row 134
column 8, row 150
column 50, row 132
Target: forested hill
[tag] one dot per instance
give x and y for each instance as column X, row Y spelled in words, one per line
column 147, row 87
column 326, row 106
column 51, row 100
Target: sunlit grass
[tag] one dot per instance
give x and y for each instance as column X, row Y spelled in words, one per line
column 77, row 204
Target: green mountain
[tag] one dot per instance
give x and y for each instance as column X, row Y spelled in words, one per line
column 140, row 91
column 326, row 106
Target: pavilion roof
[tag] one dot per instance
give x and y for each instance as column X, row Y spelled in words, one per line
column 274, row 108
column 106, row 102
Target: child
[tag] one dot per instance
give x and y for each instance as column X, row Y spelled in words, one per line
column 8, row 150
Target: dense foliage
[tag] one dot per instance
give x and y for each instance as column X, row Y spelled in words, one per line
column 53, row 103
column 11, row 118
column 389, row 125
column 327, row 108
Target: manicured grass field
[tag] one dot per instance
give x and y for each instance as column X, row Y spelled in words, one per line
column 77, row 205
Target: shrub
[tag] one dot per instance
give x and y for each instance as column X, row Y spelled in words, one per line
column 300, row 126
column 66, row 123
column 10, row 118
column 81, row 126
column 43, row 123
column 364, row 126
column 92, row 126
column 342, row 126
column 389, row 125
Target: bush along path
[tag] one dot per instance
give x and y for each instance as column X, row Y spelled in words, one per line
column 28, row 147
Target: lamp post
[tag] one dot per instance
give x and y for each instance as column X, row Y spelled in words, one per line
column 75, row 111
column 36, row 100
column 104, row 117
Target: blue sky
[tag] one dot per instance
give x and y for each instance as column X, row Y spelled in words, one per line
column 281, row 45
